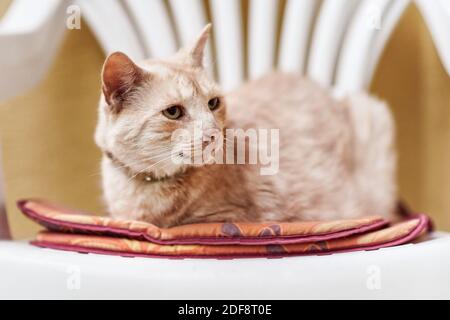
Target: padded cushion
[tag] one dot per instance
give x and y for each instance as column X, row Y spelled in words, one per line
column 73, row 230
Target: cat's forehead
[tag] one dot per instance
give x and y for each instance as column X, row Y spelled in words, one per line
column 181, row 80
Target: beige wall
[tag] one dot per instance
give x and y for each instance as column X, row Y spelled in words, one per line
column 46, row 134
column 49, row 152
column 4, row 4
column 412, row 79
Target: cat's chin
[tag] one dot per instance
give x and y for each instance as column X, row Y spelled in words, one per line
column 172, row 172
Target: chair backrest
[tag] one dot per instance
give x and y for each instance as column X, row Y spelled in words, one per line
column 336, row 42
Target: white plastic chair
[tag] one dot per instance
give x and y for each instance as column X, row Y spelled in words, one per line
column 336, row 42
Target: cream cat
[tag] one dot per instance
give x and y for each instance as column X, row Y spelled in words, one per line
column 336, row 158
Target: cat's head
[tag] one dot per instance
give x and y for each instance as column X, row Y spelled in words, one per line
column 144, row 104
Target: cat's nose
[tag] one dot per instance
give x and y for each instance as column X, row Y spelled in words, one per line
column 210, row 136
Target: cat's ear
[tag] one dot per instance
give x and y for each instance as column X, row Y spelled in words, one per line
column 197, row 51
column 119, row 76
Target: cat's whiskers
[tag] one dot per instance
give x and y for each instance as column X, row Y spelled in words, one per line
column 133, row 163
column 138, row 161
column 147, row 169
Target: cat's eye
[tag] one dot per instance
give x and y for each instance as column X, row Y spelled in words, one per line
column 214, row 103
column 173, row 112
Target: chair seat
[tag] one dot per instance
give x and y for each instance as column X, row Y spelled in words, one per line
column 408, row 271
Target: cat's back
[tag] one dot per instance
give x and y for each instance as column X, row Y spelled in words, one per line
column 314, row 138
column 335, row 156
column 308, row 118
column 279, row 100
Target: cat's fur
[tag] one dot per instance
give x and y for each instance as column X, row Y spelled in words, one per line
column 336, row 157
